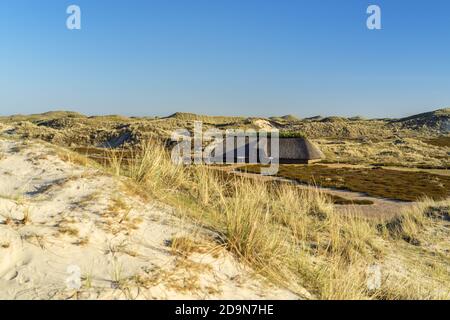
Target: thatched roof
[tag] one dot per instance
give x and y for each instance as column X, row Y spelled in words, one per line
column 292, row 149
column 299, row 149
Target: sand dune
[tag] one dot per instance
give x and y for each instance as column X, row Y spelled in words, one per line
column 58, row 219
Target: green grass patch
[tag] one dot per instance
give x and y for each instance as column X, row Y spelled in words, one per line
column 292, row 134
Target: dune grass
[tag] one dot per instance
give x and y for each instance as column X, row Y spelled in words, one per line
column 291, row 236
column 186, row 116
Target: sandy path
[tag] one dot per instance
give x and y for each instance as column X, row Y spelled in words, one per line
column 59, row 221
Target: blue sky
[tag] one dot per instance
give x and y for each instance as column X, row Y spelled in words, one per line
column 225, row 57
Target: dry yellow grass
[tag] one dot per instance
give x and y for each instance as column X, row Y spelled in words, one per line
column 293, row 237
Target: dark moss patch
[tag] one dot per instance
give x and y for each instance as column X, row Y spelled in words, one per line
column 377, row 182
column 343, row 201
column 443, row 141
column 419, row 166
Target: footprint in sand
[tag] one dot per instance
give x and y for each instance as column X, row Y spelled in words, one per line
column 12, row 258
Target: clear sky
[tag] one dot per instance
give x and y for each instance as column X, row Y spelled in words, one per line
column 225, row 57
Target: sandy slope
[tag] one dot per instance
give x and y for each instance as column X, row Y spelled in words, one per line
column 57, row 218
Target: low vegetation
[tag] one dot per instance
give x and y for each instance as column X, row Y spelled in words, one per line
column 378, row 182
column 390, row 151
column 294, row 237
column 292, row 134
column 418, row 141
column 443, row 141
column 338, row 200
column 208, row 119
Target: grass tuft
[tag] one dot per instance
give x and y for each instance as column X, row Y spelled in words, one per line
column 292, row 236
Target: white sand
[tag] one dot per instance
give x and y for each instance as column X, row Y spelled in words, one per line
column 121, row 254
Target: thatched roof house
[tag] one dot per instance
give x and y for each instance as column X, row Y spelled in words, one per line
column 299, row 150
column 291, row 150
